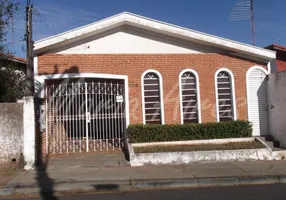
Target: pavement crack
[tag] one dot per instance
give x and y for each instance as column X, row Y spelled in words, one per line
column 240, row 169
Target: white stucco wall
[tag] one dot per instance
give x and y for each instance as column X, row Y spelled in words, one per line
column 276, row 89
column 134, row 41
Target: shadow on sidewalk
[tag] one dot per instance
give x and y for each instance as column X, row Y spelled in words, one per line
column 45, row 183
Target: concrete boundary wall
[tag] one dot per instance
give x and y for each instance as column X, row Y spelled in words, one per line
column 11, row 135
column 276, row 96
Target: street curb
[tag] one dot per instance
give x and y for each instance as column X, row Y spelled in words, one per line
column 94, row 186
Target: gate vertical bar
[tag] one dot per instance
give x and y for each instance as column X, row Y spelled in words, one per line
column 53, row 132
column 74, row 117
column 115, row 115
column 57, row 119
column 47, row 115
column 112, row 114
column 100, row 116
column 105, row 116
column 67, row 118
column 96, row 114
column 92, row 111
column 118, row 118
column 70, row 115
column 102, row 113
column 108, row 111
column 79, row 116
column 86, row 116
column 122, row 120
column 60, row 117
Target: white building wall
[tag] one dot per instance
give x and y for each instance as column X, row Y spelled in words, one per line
column 276, row 89
column 130, row 41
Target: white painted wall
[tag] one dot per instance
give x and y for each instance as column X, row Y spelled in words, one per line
column 131, row 41
column 276, row 94
column 29, row 132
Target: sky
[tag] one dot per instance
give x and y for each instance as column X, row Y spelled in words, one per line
column 51, row 17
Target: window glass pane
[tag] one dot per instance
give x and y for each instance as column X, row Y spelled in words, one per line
column 189, row 98
column 152, row 98
column 224, row 93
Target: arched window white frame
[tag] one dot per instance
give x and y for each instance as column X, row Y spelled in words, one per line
column 152, row 97
column 190, row 101
column 225, row 95
column 257, row 101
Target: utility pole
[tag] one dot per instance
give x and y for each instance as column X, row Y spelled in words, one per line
column 252, row 22
column 29, row 90
column 29, row 116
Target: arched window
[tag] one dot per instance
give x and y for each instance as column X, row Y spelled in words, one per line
column 152, row 97
column 189, row 97
column 225, row 95
column 256, row 85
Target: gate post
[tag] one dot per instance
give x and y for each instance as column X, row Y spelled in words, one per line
column 29, row 132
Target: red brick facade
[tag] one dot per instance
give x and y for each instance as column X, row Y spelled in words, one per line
column 280, row 56
column 169, row 65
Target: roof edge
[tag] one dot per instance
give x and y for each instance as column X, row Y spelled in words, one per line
column 269, row 54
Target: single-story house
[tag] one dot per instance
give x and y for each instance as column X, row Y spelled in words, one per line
column 128, row 69
column 280, row 56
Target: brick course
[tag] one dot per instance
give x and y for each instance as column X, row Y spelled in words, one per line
column 169, row 65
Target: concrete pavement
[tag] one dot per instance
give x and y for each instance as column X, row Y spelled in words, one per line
column 62, row 178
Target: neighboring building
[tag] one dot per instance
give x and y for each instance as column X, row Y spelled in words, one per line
column 280, row 56
column 6, row 59
column 130, row 69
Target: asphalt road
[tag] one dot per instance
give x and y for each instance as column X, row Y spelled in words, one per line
column 263, row 192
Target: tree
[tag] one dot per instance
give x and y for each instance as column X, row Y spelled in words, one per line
column 11, row 78
column 7, row 10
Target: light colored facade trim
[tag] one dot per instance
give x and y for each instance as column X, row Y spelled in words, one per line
column 269, row 67
column 272, row 66
column 233, row 100
column 197, row 92
column 35, row 65
column 155, row 26
column 247, row 86
column 42, row 78
column 161, row 94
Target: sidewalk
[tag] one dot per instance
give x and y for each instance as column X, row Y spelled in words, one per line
column 93, row 178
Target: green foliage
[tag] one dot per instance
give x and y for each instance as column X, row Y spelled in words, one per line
column 159, row 133
column 12, row 82
column 11, row 77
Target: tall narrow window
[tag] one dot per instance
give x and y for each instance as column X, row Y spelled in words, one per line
column 189, row 96
column 225, row 96
column 152, row 98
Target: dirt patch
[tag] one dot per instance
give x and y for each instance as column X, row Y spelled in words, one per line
column 200, row 147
